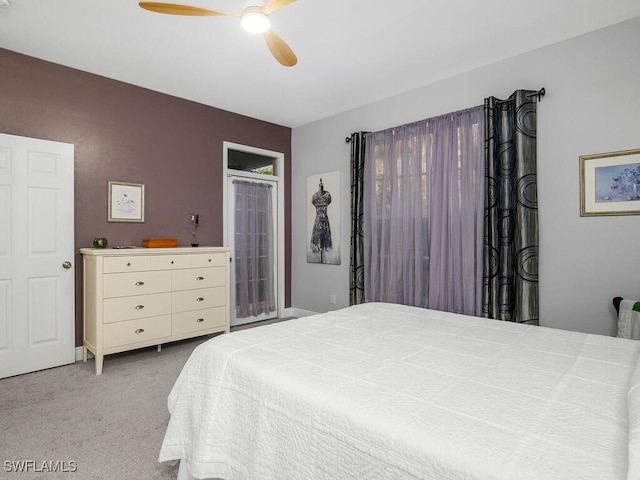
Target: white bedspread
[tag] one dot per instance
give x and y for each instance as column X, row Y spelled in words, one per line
column 381, row 391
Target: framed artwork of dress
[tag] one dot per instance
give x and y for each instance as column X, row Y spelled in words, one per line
column 323, row 218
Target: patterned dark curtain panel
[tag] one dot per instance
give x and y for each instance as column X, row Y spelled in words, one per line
column 356, row 271
column 510, row 280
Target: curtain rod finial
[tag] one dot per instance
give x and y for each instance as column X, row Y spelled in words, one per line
column 542, row 92
column 347, row 139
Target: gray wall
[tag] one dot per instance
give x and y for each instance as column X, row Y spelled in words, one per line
column 592, row 106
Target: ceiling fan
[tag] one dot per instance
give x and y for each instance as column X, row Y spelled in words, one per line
column 254, row 18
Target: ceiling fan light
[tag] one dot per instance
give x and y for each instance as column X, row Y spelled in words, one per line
column 255, row 22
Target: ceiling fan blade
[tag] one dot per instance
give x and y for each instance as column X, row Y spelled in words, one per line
column 273, row 5
column 176, row 9
column 280, row 50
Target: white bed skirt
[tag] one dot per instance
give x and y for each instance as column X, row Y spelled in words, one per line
column 183, row 472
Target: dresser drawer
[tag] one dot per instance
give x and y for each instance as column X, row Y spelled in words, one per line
column 135, row 331
column 170, row 262
column 198, row 320
column 198, row 299
column 208, row 259
column 139, row 306
column 133, row 263
column 191, row 278
column 136, row 283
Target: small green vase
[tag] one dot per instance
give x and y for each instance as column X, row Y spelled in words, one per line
column 100, row 242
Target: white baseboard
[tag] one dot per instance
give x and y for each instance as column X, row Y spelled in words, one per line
column 78, row 354
column 297, row 312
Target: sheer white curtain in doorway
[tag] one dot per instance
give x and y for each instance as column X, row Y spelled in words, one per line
column 254, row 253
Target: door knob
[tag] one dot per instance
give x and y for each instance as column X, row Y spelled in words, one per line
column 66, row 265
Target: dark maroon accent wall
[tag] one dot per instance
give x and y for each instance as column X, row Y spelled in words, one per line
column 127, row 133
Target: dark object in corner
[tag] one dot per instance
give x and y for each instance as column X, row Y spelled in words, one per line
column 616, row 303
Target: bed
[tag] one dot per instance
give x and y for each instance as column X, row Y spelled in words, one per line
column 384, row 391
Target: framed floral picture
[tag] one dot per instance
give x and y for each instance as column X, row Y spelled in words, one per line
column 610, row 183
column 126, row 202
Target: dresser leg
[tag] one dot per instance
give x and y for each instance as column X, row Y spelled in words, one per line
column 99, row 359
column 159, row 347
column 85, row 353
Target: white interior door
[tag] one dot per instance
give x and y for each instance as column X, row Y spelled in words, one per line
column 230, row 241
column 37, row 326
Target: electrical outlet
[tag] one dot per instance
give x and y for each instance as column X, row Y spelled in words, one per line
column 333, row 299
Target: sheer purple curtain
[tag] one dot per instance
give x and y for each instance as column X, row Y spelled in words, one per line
column 423, row 214
column 396, row 247
column 253, row 254
column 456, row 212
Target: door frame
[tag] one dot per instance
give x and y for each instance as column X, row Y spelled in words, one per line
column 280, row 218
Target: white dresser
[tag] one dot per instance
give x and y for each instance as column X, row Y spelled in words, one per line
column 139, row 297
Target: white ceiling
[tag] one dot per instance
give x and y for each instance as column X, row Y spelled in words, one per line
column 350, row 52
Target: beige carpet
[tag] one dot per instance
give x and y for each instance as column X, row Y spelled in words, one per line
column 111, row 426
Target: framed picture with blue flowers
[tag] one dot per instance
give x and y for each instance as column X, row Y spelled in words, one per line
column 610, row 183
column 126, row 202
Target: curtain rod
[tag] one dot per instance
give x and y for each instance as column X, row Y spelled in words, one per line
column 348, row 139
column 534, row 93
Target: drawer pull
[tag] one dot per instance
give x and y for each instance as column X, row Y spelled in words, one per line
column 199, row 299
column 171, row 262
column 139, row 307
column 138, row 284
column 140, row 330
column 209, row 260
column 128, row 264
column 200, row 320
column 200, row 278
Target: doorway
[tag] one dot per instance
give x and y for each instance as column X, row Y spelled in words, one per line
column 37, row 325
column 260, row 171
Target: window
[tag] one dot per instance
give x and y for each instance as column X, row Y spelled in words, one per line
column 423, row 213
column 251, row 162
